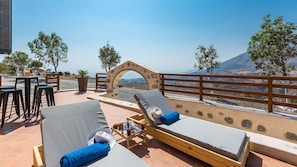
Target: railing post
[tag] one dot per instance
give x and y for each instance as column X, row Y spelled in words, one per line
column 46, row 78
column 162, row 83
column 201, row 88
column 58, row 80
column 269, row 94
column 97, row 81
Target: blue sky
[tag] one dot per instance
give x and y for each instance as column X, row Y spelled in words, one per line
column 160, row 34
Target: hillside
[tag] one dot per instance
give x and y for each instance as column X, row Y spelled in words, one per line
column 238, row 64
column 242, row 61
column 242, row 65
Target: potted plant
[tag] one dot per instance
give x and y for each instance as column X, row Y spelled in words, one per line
column 82, row 80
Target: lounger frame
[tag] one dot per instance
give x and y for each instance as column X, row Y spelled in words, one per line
column 38, row 156
column 198, row 152
column 192, row 149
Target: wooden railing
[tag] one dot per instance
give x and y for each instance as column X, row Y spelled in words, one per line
column 270, row 91
column 101, row 81
column 53, row 79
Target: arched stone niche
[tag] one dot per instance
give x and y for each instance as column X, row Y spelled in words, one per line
column 113, row 76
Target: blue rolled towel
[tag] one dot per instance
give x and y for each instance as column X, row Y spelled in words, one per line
column 85, row 155
column 170, row 117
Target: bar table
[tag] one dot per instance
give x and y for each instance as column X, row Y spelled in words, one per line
column 27, row 81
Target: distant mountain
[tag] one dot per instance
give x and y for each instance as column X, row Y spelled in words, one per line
column 236, row 64
column 242, row 62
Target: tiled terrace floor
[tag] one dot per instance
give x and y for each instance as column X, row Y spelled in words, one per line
column 18, row 137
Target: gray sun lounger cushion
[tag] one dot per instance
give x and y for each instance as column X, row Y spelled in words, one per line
column 153, row 98
column 215, row 137
column 221, row 139
column 65, row 128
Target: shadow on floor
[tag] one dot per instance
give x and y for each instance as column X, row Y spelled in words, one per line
column 14, row 122
column 254, row 161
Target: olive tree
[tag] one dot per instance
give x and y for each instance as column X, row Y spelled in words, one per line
column 273, row 46
column 109, row 57
column 3, row 68
column 35, row 65
column 49, row 49
column 206, row 59
column 17, row 61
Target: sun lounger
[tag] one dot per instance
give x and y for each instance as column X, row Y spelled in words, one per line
column 67, row 128
column 212, row 143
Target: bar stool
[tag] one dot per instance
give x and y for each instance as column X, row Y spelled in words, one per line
column 16, row 94
column 35, row 94
column 49, row 92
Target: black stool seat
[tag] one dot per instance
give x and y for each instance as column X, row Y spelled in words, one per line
column 7, row 87
column 17, row 94
column 50, row 99
column 4, row 87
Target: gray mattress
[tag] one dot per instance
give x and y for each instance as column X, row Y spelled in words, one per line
column 66, row 128
column 218, row 138
column 221, row 139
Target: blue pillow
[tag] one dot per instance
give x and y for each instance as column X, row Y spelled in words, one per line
column 85, row 155
column 169, row 118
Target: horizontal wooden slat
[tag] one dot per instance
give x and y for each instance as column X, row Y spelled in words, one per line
column 237, row 83
column 285, row 96
column 180, row 91
column 236, row 98
column 184, row 80
column 285, row 104
column 237, row 91
column 182, row 86
column 285, row 86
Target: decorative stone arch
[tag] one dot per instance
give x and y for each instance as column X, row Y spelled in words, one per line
column 113, row 76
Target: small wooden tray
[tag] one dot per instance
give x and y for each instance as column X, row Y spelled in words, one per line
column 138, row 119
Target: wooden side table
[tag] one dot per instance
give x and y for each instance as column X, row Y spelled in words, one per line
column 140, row 133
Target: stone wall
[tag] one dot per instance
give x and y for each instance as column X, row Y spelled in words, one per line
column 261, row 122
